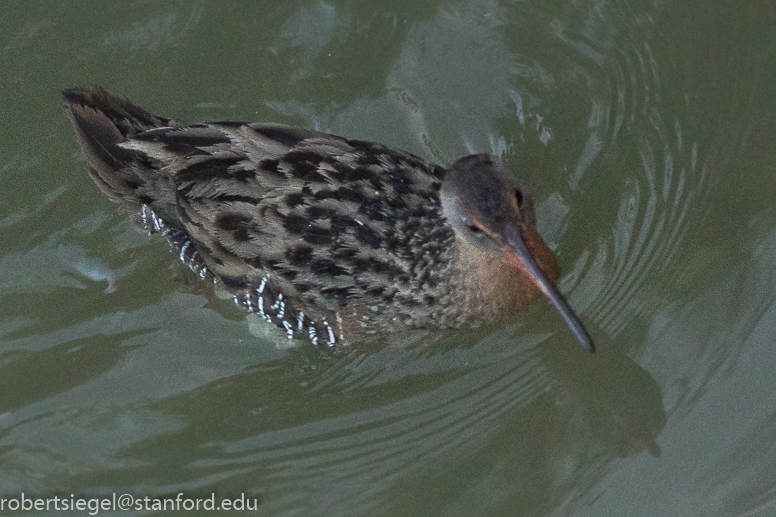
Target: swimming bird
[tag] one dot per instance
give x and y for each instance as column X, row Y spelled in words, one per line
column 328, row 238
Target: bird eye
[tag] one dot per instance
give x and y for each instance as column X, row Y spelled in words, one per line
column 518, row 197
column 474, row 228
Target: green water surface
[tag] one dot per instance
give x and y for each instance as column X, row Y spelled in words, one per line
column 646, row 131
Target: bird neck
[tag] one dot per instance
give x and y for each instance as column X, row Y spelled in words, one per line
column 492, row 289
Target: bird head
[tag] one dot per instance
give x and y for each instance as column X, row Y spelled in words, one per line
column 492, row 211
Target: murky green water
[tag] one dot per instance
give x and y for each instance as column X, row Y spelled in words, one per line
column 646, row 131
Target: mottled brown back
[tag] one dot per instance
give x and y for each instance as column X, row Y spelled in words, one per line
column 313, row 232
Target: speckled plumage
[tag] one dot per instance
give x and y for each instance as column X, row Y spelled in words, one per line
column 326, row 237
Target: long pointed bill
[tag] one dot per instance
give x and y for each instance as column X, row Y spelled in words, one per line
column 519, row 255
